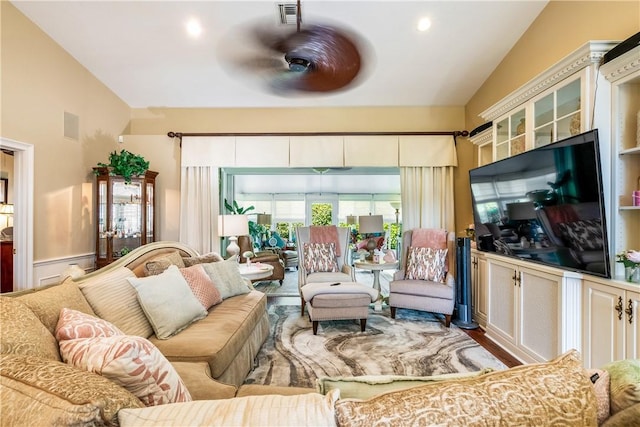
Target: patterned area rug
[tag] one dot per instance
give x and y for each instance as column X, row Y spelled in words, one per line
column 415, row 343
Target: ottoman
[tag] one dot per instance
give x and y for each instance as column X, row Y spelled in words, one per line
column 348, row 300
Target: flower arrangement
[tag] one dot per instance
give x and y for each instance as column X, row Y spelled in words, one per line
column 248, row 255
column 631, row 261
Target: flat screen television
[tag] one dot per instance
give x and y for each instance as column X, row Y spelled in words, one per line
column 545, row 206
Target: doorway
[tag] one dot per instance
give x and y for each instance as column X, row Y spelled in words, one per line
column 22, row 194
column 321, row 209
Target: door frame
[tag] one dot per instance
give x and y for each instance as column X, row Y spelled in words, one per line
column 23, row 239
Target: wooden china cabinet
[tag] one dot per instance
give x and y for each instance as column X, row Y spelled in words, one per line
column 125, row 214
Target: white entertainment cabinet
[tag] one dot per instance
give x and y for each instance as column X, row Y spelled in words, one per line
column 536, row 312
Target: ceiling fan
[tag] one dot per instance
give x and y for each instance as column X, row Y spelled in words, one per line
column 313, row 58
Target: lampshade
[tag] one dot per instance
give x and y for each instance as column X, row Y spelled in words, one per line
column 395, row 205
column 521, row 211
column 264, row 219
column 233, row 225
column 370, row 224
column 6, row 209
column 351, row 219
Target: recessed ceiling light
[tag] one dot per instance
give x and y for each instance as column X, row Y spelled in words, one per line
column 424, row 24
column 194, row 29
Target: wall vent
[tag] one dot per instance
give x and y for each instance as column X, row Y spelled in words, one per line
column 287, row 13
column 71, row 126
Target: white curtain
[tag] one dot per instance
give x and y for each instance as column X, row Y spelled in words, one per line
column 426, row 184
column 427, row 197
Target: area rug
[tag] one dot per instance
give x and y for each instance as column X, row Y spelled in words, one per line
column 415, row 343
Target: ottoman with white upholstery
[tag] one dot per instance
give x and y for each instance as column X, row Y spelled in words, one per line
column 348, row 300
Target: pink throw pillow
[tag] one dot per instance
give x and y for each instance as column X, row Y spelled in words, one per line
column 426, row 264
column 73, row 324
column 131, row 362
column 320, row 257
column 201, row 285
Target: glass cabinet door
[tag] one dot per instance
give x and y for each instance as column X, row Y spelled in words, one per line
column 125, row 214
column 557, row 115
column 510, row 135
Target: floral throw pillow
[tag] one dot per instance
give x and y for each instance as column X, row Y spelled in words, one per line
column 427, row 264
column 73, row 324
column 320, row 257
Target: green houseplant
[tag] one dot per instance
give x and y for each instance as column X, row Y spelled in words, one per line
column 126, row 164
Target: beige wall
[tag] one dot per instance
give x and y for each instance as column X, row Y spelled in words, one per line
column 40, row 81
column 561, row 28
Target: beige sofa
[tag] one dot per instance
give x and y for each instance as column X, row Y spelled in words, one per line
column 212, row 356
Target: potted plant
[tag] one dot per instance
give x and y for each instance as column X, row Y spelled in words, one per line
column 125, row 164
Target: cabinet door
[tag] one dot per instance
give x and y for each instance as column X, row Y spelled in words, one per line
column 603, row 330
column 632, row 325
column 502, row 299
column 539, row 321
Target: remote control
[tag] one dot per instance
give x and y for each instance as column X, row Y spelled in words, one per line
column 334, row 284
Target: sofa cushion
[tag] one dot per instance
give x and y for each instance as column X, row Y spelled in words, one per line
column 202, row 259
column 21, row 332
column 217, row 338
column 624, row 383
column 39, row 389
column 319, row 257
column 226, row 277
column 366, row 386
column 308, row 409
column 201, row 285
column 74, row 324
column 426, row 264
column 131, row 362
column 167, row 301
column 552, row 393
column 160, row 263
column 47, row 303
column 114, row 299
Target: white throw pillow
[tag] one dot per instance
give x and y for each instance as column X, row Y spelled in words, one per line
column 168, row 302
column 226, row 277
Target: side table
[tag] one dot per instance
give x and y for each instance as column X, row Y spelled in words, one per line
column 256, row 271
column 376, row 268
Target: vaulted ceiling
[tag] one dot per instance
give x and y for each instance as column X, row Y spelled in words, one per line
column 142, row 51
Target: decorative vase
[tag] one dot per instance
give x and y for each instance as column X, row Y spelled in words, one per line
column 632, row 274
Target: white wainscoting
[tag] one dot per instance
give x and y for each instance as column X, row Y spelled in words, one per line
column 47, row 272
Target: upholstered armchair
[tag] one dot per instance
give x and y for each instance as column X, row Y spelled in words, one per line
column 246, row 244
column 308, row 270
column 425, row 281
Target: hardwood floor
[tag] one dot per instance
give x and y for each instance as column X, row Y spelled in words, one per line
column 476, row 334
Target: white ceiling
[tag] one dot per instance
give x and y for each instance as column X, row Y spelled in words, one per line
column 140, row 49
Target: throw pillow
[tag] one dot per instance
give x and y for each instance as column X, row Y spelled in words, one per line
column 201, row 285
column 625, row 418
column 426, row 264
column 624, row 383
column 226, row 277
column 582, row 235
column 23, row 333
column 47, row 303
column 202, row 259
column 74, row 324
column 367, row 386
column 160, row 263
column 308, row 409
column 541, row 394
column 131, row 362
column 319, row 257
column 113, row 299
column 168, row 302
column 600, row 380
column 40, row 378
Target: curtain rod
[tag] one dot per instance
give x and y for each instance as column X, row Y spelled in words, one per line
column 454, row 133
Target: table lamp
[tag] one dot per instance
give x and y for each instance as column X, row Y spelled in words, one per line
column 371, row 224
column 232, row 226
